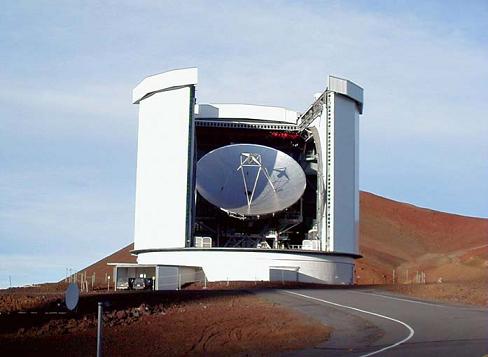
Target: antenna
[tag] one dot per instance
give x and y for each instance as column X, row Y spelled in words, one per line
column 249, row 180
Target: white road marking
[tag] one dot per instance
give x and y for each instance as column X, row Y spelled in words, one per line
column 410, row 329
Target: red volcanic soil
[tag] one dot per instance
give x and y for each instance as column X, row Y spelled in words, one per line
column 216, row 323
column 395, row 235
column 451, row 250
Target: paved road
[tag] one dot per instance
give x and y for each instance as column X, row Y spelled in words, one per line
column 369, row 322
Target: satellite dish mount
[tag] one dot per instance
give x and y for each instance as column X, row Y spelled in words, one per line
column 253, row 160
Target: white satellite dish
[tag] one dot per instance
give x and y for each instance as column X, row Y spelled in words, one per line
column 72, row 296
column 250, row 180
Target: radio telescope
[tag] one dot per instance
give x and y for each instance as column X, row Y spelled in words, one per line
column 250, row 180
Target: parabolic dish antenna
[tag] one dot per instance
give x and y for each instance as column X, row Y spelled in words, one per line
column 72, row 296
column 250, row 180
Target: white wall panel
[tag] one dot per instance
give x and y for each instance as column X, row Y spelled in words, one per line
column 345, row 184
column 162, row 167
column 338, row 131
column 221, row 265
column 246, row 111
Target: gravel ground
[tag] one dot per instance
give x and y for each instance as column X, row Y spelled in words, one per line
column 156, row 324
column 465, row 292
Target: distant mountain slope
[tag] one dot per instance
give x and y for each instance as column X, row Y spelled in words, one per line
column 400, row 236
column 100, row 269
column 395, row 235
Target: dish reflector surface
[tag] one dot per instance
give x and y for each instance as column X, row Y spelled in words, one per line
column 249, row 179
column 72, row 296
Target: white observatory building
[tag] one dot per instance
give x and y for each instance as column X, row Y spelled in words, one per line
column 245, row 192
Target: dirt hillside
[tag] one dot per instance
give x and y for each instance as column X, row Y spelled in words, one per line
column 395, row 235
column 100, row 270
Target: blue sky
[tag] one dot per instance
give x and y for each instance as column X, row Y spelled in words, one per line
column 68, row 129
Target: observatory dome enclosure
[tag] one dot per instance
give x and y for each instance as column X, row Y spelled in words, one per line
column 247, row 192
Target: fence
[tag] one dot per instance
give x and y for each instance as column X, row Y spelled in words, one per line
column 402, row 277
